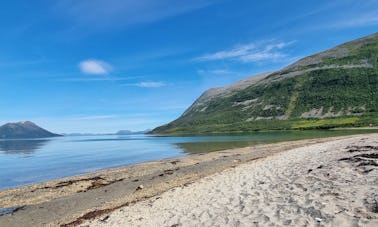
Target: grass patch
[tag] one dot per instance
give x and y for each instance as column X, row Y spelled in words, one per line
column 325, row 123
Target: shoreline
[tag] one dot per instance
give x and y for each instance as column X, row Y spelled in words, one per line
column 332, row 183
column 184, row 147
column 73, row 200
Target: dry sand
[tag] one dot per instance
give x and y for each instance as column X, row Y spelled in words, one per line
column 333, row 183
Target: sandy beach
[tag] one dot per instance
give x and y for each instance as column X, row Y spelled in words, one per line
column 330, row 184
column 318, row 182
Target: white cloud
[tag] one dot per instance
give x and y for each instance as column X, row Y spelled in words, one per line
column 95, row 67
column 254, row 52
column 150, row 84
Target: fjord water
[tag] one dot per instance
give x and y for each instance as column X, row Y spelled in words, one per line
column 24, row 162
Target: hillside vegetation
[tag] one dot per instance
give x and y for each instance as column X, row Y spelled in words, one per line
column 334, row 88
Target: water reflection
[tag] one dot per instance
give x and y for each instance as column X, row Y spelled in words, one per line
column 245, row 140
column 21, row 146
column 204, row 147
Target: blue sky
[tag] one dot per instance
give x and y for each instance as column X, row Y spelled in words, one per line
column 106, row 65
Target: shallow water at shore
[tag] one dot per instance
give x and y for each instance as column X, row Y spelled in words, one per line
column 24, row 162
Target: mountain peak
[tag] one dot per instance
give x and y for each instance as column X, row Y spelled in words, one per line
column 28, row 123
column 23, row 129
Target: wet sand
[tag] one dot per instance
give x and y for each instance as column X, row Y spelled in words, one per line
column 309, row 182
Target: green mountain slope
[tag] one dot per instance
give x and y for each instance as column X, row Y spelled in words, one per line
column 337, row 87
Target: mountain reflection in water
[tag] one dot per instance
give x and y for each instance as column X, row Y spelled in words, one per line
column 21, row 146
column 25, row 161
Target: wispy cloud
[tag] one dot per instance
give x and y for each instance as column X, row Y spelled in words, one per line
column 206, row 72
column 368, row 19
column 342, row 14
column 95, row 67
column 150, row 84
column 147, row 84
column 121, row 13
column 253, row 52
column 98, row 79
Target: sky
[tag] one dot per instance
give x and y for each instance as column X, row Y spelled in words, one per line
column 106, row 65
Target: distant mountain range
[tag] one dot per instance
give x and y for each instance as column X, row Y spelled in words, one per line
column 24, row 130
column 334, row 88
column 128, row 132
column 121, row 132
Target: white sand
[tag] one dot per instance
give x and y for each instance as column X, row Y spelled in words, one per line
column 307, row 186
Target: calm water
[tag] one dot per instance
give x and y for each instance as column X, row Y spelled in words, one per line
column 29, row 161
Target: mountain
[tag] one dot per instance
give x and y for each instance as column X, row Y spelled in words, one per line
column 23, row 130
column 86, row 134
column 120, row 132
column 334, row 88
column 124, row 132
column 128, row 132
